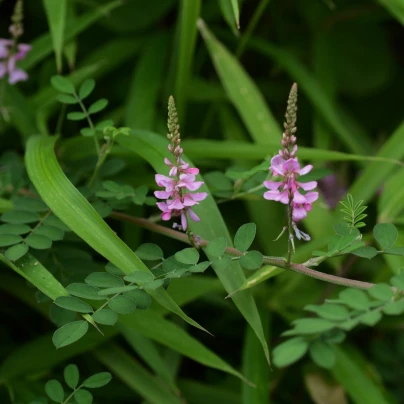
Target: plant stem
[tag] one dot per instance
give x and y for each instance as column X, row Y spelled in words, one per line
column 290, row 230
column 90, row 123
column 279, row 262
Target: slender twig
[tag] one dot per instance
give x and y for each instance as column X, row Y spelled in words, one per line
column 279, row 262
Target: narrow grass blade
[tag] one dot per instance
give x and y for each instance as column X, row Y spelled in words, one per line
column 255, row 367
column 153, row 148
column 373, row 176
column 171, row 335
column 42, row 46
column 56, row 14
column 396, row 9
column 77, row 213
column 242, row 91
column 186, row 39
column 350, row 374
column 236, row 12
column 134, row 375
column 147, row 80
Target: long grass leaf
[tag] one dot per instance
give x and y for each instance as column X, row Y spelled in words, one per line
column 56, row 14
column 74, row 210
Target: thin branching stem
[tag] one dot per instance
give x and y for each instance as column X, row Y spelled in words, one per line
column 279, row 262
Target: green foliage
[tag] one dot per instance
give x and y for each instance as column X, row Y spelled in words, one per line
column 353, row 307
column 354, row 212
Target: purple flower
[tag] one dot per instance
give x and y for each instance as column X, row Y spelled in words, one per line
column 287, row 189
column 8, row 59
column 178, row 201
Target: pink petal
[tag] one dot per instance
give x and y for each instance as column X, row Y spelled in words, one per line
column 291, row 166
column 305, row 169
column 307, row 186
column 162, row 206
column 23, row 49
column 276, row 165
column 17, row 75
column 168, row 162
column 272, row 185
column 175, row 204
column 199, row 196
column 184, row 221
column 166, row 216
column 188, row 200
column 173, row 172
column 311, row 197
column 192, row 170
column 193, row 215
column 162, row 180
column 298, row 198
column 162, row 194
column 308, row 207
column 284, row 197
column 299, row 213
column 193, row 186
column 272, row 195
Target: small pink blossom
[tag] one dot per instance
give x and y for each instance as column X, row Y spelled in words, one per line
column 8, row 60
column 288, row 189
column 178, row 201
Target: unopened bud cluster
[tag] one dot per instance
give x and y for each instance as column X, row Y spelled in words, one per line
column 288, row 137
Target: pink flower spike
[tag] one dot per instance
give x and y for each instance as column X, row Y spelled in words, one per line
column 277, row 165
column 298, row 198
column 188, row 200
column 291, row 166
column 175, row 204
column 284, row 197
column 162, row 194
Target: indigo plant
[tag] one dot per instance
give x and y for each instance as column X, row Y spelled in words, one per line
column 133, row 230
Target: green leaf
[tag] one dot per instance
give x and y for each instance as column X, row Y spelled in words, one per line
column 9, row 239
column 289, row 351
column 199, row 268
column 83, row 396
column 56, row 15
column 221, row 264
column 71, row 375
column 217, row 247
column 61, row 316
column 329, row 311
column 98, row 106
column 54, row 390
column 365, row 252
column 105, row 316
column 86, row 88
column 141, row 297
column 84, row 291
column 381, row 291
column 252, row 260
column 139, row 277
column 395, row 250
column 122, row 305
column 15, row 252
column 386, row 234
column 188, row 256
column 69, row 333
column 312, row 326
column 342, row 229
column 112, row 269
column 97, row 380
column 89, row 132
column 322, row 354
column 62, row 84
column 242, row 91
column 76, row 116
column 73, row 304
column 66, row 99
column 394, row 308
column 39, row 242
column 149, row 252
column 19, row 217
column 398, row 281
column 355, row 298
column 52, row 232
column 30, row 204
column 104, row 280
column 245, row 236
column 370, row 318
column 236, row 11
column 114, row 291
column 16, row 229
column 60, row 195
